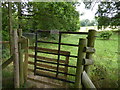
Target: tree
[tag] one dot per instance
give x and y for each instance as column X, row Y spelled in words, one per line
column 108, row 14
column 87, row 22
column 41, row 15
column 54, row 15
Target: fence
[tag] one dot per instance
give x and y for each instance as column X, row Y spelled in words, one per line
column 84, row 59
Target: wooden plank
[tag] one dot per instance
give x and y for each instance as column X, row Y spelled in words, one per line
column 47, row 66
column 4, row 42
column 89, row 50
column 49, row 50
column 87, row 82
column 45, row 58
column 87, row 62
column 16, row 60
column 79, row 69
column 6, row 63
column 47, row 73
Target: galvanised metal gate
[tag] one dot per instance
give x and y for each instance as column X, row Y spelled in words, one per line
column 54, row 52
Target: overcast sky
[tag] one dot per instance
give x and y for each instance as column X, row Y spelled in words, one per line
column 88, row 14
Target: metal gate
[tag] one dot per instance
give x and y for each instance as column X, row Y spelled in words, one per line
column 58, row 52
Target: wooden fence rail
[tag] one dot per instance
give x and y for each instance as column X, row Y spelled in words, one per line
column 4, row 42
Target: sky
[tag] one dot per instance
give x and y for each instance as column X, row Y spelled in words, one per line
column 88, row 13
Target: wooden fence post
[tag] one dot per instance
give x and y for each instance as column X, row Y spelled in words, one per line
column 90, row 43
column 79, row 69
column 16, row 59
column 20, row 57
column 10, row 27
column 26, row 60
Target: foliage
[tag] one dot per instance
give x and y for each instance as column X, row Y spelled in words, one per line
column 5, row 18
column 108, row 14
column 105, row 34
column 87, row 22
column 54, row 15
column 41, row 15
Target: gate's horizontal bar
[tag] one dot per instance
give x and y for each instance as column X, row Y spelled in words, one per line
column 63, row 32
column 58, row 43
column 47, row 66
column 57, row 54
column 50, row 50
column 55, row 78
column 55, row 71
column 56, row 63
column 46, row 58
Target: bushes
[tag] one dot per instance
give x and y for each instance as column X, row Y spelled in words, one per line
column 105, row 35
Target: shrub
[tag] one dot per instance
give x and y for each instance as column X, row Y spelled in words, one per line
column 106, row 35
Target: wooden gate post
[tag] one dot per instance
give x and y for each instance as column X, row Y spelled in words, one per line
column 16, row 59
column 90, row 43
column 26, row 60
column 79, row 69
column 20, row 57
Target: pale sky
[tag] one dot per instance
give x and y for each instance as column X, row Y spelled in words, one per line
column 88, row 14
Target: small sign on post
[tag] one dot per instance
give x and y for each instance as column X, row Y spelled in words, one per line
column 54, row 32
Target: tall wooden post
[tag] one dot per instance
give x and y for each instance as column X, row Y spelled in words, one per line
column 79, row 69
column 26, row 60
column 16, row 59
column 10, row 26
column 90, row 43
column 19, row 15
column 20, row 58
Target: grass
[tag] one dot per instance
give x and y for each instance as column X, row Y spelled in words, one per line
column 104, row 71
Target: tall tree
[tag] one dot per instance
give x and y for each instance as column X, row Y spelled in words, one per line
column 54, row 15
column 108, row 14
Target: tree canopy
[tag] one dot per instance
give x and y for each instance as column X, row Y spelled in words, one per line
column 108, row 14
column 54, row 15
column 41, row 15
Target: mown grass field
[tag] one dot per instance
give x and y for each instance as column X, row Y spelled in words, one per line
column 105, row 69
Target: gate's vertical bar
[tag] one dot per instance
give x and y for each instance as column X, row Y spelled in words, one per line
column 20, row 58
column 58, row 53
column 35, row 53
column 90, row 43
column 26, row 60
column 79, row 69
column 16, row 59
